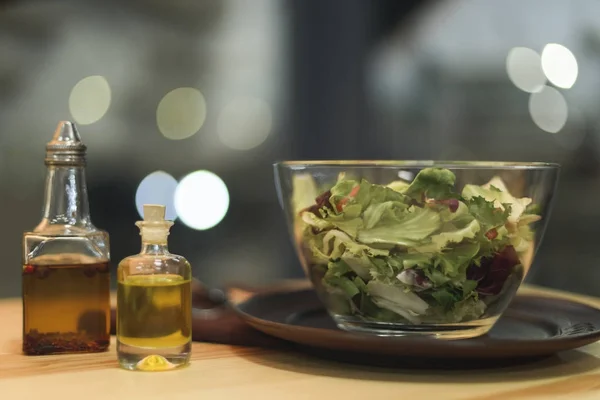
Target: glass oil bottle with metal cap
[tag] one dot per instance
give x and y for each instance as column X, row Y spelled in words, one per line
column 154, row 305
column 66, row 281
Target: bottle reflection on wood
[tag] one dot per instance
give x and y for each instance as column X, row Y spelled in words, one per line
column 65, row 272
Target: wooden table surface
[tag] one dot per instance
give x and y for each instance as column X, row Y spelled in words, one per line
column 229, row 372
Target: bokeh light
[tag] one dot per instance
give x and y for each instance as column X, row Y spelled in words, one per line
column 524, row 68
column 181, row 113
column 201, row 200
column 157, row 188
column 89, row 99
column 548, row 109
column 245, row 123
column 559, row 65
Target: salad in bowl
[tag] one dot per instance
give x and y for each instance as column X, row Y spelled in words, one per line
column 421, row 256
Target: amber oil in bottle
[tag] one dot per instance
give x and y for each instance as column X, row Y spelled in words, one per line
column 65, row 273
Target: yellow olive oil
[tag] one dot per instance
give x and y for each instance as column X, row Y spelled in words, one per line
column 154, row 311
column 154, row 316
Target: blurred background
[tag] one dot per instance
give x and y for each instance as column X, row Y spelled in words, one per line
column 189, row 102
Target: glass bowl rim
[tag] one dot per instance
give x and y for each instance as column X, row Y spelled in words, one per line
column 508, row 165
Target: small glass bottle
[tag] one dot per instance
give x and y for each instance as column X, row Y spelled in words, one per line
column 154, row 306
column 66, row 281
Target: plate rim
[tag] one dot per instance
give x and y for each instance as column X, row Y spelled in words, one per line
column 493, row 347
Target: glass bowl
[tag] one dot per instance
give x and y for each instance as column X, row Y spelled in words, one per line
column 426, row 248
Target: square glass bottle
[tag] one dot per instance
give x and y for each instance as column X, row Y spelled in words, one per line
column 65, row 275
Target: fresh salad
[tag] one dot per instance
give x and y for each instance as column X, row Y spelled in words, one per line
column 417, row 252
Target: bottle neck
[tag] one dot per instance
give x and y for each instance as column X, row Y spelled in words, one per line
column 154, row 248
column 66, row 198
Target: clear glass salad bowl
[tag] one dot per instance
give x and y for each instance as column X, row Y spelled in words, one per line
column 416, row 247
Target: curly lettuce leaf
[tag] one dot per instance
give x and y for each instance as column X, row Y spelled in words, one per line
column 495, row 191
column 401, row 261
column 457, row 232
column 443, row 239
column 349, row 192
column 488, row 215
column 336, row 242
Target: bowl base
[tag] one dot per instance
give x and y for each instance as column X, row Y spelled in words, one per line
column 445, row 331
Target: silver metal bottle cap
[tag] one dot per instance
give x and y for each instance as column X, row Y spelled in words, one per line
column 66, row 147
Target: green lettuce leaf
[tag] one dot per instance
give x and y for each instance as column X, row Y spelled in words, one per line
column 452, row 233
column 437, row 277
column 495, row 191
column 435, row 183
column 402, row 261
column 349, row 225
column 336, row 242
column 359, row 263
column 468, row 287
column 313, row 244
column 382, row 270
column 405, row 229
column 378, row 211
column 343, row 285
column 341, row 189
column 522, row 238
column 347, row 193
column 399, row 186
column 396, row 308
column 454, row 262
column 311, row 219
column 486, row 212
column 468, row 309
column 446, row 215
column 401, row 299
column 447, row 297
column 335, row 278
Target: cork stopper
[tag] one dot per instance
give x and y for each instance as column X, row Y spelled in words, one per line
column 154, row 228
column 154, row 212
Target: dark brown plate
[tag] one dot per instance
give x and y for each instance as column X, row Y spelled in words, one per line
column 533, row 326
